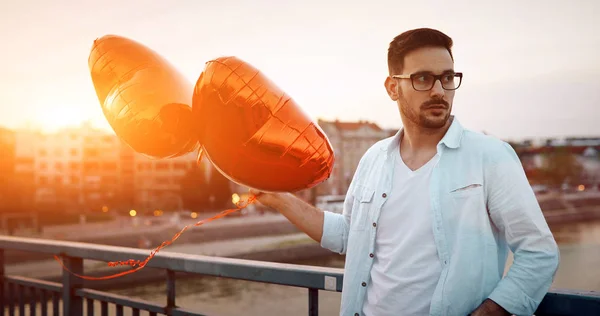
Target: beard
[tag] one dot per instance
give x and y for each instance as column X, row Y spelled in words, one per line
column 432, row 114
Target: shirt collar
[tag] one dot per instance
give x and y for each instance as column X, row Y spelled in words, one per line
column 451, row 139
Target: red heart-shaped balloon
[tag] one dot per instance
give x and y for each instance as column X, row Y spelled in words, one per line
column 254, row 133
column 144, row 98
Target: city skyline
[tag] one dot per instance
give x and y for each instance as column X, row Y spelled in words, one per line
column 87, row 166
column 530, row 68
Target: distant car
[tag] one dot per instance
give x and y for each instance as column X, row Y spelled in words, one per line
column 540, row 189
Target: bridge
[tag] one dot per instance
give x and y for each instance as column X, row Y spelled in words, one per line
column 20, row 293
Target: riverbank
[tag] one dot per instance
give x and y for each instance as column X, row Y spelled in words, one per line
column 235, row 228
column 146, row 236
column 579, row 245
column 123, row 233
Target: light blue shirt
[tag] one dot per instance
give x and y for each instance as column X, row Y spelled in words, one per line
column 482, row 206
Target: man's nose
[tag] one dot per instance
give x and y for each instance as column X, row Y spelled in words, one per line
column 437, row 90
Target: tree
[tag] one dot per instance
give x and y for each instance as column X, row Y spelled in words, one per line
column 194, row 190
column 561, row 166
column 220, row 189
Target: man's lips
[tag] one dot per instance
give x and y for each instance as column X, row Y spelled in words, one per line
column 437, row 107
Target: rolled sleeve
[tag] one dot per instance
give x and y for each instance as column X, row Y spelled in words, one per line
column 334, row 232
column 514, row 209
column 336, row 226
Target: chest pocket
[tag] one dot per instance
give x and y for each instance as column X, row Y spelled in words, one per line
column 467, row 190
column 362, row 208
column 468, row 197
column 469, row 215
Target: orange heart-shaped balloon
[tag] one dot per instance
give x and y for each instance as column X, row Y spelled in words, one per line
column 144, row 98
column 254, row 133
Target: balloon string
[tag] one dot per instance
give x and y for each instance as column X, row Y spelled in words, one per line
column 142, row 263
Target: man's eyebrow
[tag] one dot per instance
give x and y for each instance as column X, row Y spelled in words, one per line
column 427, row 72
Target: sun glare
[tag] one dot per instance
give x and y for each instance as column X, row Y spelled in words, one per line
column 56, row 117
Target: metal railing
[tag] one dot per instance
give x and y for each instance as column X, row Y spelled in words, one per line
column 69, row 297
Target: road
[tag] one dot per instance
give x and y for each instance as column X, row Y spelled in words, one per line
column 127, row 225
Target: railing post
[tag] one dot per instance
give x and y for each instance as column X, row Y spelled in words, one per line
column 313, row 302
column 72, row 305
column 170, row 291
column 2, row 283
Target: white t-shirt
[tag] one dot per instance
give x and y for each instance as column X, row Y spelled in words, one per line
column 406, row 267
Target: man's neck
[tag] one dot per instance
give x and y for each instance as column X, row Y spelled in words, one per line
column 417, row 139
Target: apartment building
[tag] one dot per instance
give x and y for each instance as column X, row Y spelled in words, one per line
column 350, row 141
column 158, row 181
column 85, row 168
column 74, row 166
column 24, row 164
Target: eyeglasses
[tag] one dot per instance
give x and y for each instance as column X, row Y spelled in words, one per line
column 426, row 81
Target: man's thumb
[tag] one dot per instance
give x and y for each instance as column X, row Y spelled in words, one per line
column 255, row 192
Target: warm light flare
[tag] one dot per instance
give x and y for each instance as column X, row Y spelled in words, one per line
column 235, row 198
column 194, row 215
column 132, row 213
column 53, row 117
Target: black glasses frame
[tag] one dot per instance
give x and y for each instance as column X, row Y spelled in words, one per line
column 435, row 78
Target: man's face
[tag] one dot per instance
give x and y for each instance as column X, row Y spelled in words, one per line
column 428, row 109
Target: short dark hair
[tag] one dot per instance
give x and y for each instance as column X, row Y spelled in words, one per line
column 412, row 40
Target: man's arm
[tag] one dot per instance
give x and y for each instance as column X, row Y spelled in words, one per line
column 328, row 228
column 306, row 217
column 515, row 211
column 489, row 308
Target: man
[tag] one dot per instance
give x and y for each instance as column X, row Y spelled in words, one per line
column 432, row 211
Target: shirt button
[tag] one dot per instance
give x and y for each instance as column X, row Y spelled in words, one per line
column 364, row 284
column 371, row 255
column 384, row 195
column 374, row 224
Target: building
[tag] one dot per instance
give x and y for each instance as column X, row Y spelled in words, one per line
column 88, row 169
column 590, row 161
column 16, row 185
column 585, row 150
column 24, row 168
column 158, row 181
column 69, row 167
column 7, row 168
column 350, row 141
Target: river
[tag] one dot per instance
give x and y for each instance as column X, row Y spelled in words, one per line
column 580, row 256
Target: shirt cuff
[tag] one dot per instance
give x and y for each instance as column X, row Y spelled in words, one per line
column 334, row 232
column 508, row 295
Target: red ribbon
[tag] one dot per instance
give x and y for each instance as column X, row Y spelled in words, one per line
column 140, row 264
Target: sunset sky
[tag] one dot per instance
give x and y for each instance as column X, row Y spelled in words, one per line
column 532, row 68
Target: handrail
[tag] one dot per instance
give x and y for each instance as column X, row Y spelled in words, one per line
column 556, row 302
column 321, row 278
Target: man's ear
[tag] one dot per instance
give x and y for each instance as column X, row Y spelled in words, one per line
column 391, row 86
